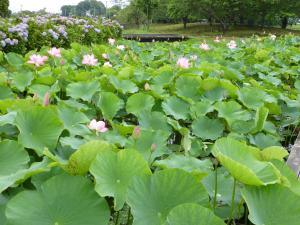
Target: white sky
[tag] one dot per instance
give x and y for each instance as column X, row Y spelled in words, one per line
column 50, row 5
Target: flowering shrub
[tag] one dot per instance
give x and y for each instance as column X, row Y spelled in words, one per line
column 23, row 34
column 150, row 133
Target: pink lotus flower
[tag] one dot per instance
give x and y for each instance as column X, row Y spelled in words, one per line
column 99, row 126
column 37, row 60
column 111, row 41
column 107, row 64
column 232, row 44
column 55, row 52
column 121, row 47
column 204, row 47
column 183, row 63
column 89, row 60
column 105, row 56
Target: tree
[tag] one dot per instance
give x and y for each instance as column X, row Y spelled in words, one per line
column 68, row 10
column 182, row 9
column 132, row 14
column 94, row 7
column 4, row 4
column 147, row 6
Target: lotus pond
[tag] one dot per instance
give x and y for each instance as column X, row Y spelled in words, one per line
column 150, row 134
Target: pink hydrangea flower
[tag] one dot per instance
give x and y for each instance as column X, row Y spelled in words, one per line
column 204, row 47
column 121, row 47
column 183, row 63
column 111, row 41
column 232, row 44
column 107, row 64
column 89, row 60
column 105, row 56
column 98, row 126
column 37, row 60
column 55, row 52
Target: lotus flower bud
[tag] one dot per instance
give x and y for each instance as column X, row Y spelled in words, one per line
column 136, row 133
column 46, row 99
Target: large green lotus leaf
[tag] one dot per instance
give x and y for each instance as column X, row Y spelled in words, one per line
column 225, row 183
column 260, row 119
column 176, row 107
column 201, row 108
column 274, row 152
column 21, row 80
column 272, row 205
column 153, row 121
column 124, row 86
column 14, row 60
column 244, row 163
column 5, row 92
column 251, row 97
column 208, row 129
column 216, row 95
column 289, row 177
column 151, row 144
column 232, row 111
column 72, row 142
column 188, row 87
column 139, row 102
column 81, row 160
column 3, row 201
column 113, row 173
column 110, row 104
column 192, row 214
column 23, row 174
column 74, row 120
column 40, row 127
column 262, row 140
column 83, row 90
column 199, row 168
column 151, row 198
column 13, row 157
column 61, row 200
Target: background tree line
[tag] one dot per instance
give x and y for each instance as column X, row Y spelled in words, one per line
column 224, row 13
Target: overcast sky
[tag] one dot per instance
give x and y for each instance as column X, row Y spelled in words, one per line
column 35, row 5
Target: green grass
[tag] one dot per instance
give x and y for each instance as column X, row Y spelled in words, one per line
column 200, row 30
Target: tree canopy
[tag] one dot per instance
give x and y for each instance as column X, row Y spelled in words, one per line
column 4, row 11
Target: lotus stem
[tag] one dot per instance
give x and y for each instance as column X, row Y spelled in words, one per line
column 232, row 202
column 117, row 219
column 216, row 190
column 246, row 215
column 129, row 217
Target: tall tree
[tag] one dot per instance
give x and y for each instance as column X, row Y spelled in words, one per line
column 147, row 6
column 4, row 11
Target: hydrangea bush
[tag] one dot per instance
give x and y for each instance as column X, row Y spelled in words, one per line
column 27, row 33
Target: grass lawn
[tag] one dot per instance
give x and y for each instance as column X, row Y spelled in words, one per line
column 200, row 30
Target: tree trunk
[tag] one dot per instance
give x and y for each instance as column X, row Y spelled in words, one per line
column 284, row 22
column 185, row 21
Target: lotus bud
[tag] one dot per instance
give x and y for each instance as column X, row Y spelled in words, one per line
column 153, row 147
column 46, row 99
column 35, row 97
column 136, row 133
column 147, row 87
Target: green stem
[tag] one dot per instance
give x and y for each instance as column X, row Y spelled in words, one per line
column 129, row 217
column 216, row 190
column 232, row 202
column 246, row 215
column 117, row 219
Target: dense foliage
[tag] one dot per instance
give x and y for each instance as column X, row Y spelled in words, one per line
column 22, row 34
column 83, row 8
column 169, row 133
column 226, row 13
column 4, row 11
